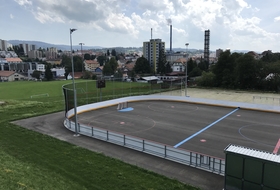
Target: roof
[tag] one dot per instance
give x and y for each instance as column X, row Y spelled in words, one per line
column 181, row 60
column 6, row 73
column 91, row 62
column 130, row 66
column 76, row 74
column 13, row 59
column 253, row 153
column 150, row 78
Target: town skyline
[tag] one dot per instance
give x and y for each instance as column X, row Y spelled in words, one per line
column 77, row 47
column 236, row 24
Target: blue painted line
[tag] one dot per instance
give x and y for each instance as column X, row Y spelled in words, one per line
column 126, row 110
column 205, row 128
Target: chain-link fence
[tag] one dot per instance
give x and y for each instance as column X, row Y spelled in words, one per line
column 87, row 92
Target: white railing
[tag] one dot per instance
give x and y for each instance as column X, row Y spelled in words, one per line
column 194, row 159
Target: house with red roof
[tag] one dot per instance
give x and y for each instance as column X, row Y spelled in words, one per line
column 7, row 76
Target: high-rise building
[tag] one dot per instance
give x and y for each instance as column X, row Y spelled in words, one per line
column 3, row 45
column 206, row 45
column 151, row 51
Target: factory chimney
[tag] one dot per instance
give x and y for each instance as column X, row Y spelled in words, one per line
column 169, row 22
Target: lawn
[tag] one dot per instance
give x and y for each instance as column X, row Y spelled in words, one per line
column 30, row 160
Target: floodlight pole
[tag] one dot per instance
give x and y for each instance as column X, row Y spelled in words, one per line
column 81, row 44
column 186, row 83
column 74, row 86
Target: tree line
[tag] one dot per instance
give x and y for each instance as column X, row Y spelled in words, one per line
column 243, row 71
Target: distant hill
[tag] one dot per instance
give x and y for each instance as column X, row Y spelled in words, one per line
column 39, row 44
column 104, row 49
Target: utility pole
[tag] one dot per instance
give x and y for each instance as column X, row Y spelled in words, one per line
column 187, row 44
column 74, row 86
column 81, row 44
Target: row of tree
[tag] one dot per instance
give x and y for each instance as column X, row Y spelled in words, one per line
column 243, row 71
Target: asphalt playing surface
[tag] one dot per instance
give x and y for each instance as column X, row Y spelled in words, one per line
column 171, row 123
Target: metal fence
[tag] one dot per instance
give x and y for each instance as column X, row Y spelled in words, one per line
column 266, row 100
column 194, row 159
column 87, row 92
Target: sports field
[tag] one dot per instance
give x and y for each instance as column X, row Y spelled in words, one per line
column 31, row 160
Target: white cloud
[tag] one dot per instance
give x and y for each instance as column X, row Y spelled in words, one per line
column 276, row 19
column 11, row 16
column 23, row 2
column 231, row 22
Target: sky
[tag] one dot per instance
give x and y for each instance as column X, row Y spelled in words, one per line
column 235, row 24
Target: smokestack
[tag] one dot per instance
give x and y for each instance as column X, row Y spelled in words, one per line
column 151, row 33
column 170, row 38
column 169, row 22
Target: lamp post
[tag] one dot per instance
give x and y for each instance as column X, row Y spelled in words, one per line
column 187, row 44
column 81, row 44
column 74, row 86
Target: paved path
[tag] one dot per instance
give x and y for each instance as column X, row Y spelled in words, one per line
column 205, row 180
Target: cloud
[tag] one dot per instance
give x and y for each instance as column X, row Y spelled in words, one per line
column 277, row 19
column 231, row 22
column 11, row 16
column 23, row 2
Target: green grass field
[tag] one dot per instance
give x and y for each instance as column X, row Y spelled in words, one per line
column 31, row 160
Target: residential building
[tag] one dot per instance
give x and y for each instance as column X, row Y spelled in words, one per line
column 13, row 64
column 33, row 54
column 51, row 53
column 3, row 64
column 27, row 48
column 151, row 51
column 7, row 54
column 179, row 65
column 7, row 76
column 91, row 65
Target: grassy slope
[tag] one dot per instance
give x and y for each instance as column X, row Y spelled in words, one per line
column 30, row 160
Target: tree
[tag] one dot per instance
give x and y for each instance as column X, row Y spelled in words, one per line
column 107, row 69
column 87, row 75
column 114, row 53
column 92, row 57
column 245, row 72
column 191, row 65
column 48, row 73
column 113, row 63
column 207, row 79
column 224, row 68
column 66, row 60
column 202, row 66
column 108, row 53
column 142, row 66
column 87, row 56
column 36, row 74
column 195, row 72
column 101, row 59
column 168, row 68
column 78, row 63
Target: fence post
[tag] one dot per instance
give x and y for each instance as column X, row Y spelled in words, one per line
column 191, row 158
column 143, row 145
column 220, row 169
